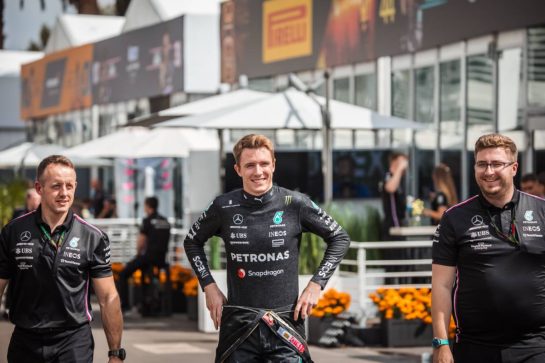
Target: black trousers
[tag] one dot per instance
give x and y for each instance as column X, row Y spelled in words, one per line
column 137, row 263
column 52, row 346
column 472, row 353
column 263, row 346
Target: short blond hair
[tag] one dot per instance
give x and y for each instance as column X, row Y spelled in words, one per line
column 252, row 141
column 494, row 141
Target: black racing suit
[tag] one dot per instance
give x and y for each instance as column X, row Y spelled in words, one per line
column 262, row 237
column 499, row 292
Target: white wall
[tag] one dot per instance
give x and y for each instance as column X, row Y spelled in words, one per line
column 201, row 53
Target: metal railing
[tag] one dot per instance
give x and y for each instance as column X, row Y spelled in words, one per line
column 413, row 270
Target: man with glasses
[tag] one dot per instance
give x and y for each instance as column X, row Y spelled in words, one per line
column 489, row 267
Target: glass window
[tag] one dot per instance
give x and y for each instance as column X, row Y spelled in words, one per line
column 536, row 66
column 424, row 80
column 510, row 101
column 400, row 94
column 341, row 89
column 450, row 91
column 480, row 95
column 366, row 91
column 261, row 84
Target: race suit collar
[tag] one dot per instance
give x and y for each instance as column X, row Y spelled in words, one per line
column 258, row 200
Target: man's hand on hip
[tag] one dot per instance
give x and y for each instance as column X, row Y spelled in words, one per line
column 308, row 299
column 214, row 302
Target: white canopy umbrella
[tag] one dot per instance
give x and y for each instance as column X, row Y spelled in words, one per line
column 141, row 142
column 232, row 99
column 294, row 109
column 291, row 109
column 29, row 154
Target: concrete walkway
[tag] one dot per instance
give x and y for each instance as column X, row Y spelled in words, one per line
column 176, row 339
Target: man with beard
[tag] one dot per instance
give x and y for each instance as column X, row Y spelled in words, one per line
column 262, row 319
column 489, row 267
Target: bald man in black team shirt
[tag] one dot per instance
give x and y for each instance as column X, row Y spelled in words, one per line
column 261, row 226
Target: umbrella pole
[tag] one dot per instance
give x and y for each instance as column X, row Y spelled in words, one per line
column 327, row 151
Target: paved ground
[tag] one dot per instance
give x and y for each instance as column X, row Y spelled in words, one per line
column 176, row 339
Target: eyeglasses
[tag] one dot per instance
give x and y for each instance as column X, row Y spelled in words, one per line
column 495, row 165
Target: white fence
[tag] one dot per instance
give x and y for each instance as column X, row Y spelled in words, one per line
column 359, row 277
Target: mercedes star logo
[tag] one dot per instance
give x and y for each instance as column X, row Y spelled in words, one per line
column 25, row 236
column 477, row 220
column 238, row 219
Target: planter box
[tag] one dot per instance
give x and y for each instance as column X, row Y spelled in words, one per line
column 406, row 333
column 192, row 308
column 317, row 328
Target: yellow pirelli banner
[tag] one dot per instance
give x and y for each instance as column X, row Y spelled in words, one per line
column 287, row 29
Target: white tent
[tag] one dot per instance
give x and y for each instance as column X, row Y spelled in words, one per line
column 293, row 109
column 229, row 100
column 72, row 30
column 29, row 154
column 290, row 109
column 140, row 142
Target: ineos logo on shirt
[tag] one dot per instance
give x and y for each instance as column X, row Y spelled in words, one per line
column 238, row 219
column 477, row 220
column 25, row 236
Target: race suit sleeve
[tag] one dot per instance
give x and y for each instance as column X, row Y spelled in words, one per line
column 100, row 259
column 4, row 256
column 316, row 220
column 444, row 248
column 206, row 226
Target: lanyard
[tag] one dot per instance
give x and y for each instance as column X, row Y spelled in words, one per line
column 512, row 236
column 57, row 244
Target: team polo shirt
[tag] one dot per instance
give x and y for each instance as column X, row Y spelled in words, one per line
column 499, row 291
column 262, row 237
column 50, row 285
column 157, row 231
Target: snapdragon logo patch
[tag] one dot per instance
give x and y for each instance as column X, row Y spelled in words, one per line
column 529, row 215
column 277, row 219
column 241, row 273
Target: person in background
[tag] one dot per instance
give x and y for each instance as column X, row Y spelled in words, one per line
column 393, row 195
column 529, row 183
column 151, row 247
column 97, row 196
column 32, row 201
column 445, row 193
column 86, row 208
column 109, row 209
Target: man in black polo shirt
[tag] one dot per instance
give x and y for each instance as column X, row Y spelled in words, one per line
column 151, row 246
column 489, row 267
column 50, row 256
